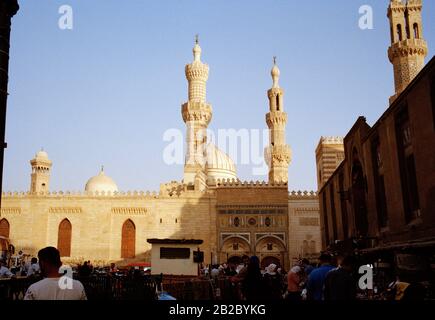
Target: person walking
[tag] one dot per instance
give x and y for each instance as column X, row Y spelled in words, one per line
column 339, row 283
column 293, row 284
column 316, row 279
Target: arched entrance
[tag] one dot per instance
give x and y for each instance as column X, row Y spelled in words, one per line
column 234, row 248
column 236, row 260
column 4, row 228
column 269, row 250
column 266, row 261
column 128, row 242
column 64, row 238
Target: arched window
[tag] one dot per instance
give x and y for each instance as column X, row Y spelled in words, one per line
column 128, row 242
column 399, row 32
column 64, row 238
column 416, row 31
column 4, row 228
column 277, row 103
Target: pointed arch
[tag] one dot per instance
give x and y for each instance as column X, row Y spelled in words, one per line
column 4, row 228
column 64, row 238
column 128, row 241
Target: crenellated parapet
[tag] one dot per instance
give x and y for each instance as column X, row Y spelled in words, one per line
column 233, row 183
column 84, row 194
column 302, row 195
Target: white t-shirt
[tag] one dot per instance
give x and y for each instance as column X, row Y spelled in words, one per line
column 34, row 268
column 51, row 289
column 4, row 272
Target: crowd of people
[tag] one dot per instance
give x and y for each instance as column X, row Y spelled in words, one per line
column 332, row 278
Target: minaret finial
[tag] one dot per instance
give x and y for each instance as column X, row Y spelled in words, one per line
column 197, row 39
column 274, row 60
column 102, row 168
column 197, row 49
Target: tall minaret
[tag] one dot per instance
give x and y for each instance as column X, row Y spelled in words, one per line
column 40, row 177
column 197, row 114
column 278, row 154
column 408, row 48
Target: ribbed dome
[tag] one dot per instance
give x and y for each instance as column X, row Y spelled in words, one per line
column 101, row 183
column 219, row 164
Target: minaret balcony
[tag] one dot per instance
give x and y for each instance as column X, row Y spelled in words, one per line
column 406, row 48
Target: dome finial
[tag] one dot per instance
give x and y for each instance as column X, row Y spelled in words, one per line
column 275, row 74
column 197, row 50
column 102, row 168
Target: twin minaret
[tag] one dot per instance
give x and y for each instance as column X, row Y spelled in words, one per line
column 278, row 154
column 197, row 114
column 408, row 48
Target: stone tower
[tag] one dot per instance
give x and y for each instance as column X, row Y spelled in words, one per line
column 408, row 48
column 40, row 177
column 278, row 154
column 329, row 155
column 196, row 114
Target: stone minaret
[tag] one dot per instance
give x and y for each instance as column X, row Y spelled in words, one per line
column 40, row 177
column 278, row 155
column 197, row 114
column 408, row 48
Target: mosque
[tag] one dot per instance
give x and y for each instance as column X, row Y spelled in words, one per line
column 231, row 217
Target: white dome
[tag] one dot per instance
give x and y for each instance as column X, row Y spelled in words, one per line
column 41, row 155
column 101, row 183
column 219, row 164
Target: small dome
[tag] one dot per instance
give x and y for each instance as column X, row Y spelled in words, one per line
column 41, row 155
column 219, row 164
column 101, row 183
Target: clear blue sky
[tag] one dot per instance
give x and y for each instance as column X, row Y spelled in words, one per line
column 105, row 92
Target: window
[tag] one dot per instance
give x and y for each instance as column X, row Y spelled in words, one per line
column 408, row 176
column 325, row 218
column 174, row 253
column 267, row 222
column 378, row 175
column 4, row 228
column 399, row 32
column 236, row 222
column 343, row 205
column 269, row 246
column 333, row 211
column 277, row 103
column 64, row 238
column 235, row 246
column 128, row 241
column 416, row 31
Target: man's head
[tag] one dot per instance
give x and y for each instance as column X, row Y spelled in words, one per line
column 49, row 261
column 348, row 263
column 325, row 258
column 305, row 261
column 34, row 260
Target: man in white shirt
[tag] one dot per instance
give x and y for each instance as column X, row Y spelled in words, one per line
column 33, row 268
column 4, row 271
column 54, row 286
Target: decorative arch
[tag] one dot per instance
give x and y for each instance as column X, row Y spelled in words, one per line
column 64, row 238
column 399, row 32
column 128, row 241
column 4, row 228
column 272, row 238
column 236, row 246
